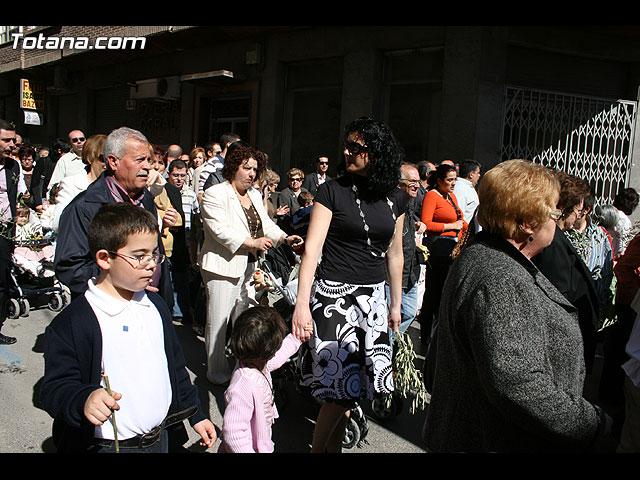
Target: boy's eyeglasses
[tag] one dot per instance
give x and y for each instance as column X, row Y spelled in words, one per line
column 142, row 260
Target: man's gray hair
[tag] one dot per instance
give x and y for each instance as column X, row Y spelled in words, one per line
column 116, row 141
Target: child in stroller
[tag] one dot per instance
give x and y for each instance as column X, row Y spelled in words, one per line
column 32, row 250
column 32, row 271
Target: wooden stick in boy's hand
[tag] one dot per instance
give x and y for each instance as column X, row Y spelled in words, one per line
column 113, row 415
column 100, row 405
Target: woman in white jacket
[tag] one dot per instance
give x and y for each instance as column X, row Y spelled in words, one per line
column 236, row 229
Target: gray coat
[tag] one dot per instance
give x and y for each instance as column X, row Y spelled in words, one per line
column 509, row 365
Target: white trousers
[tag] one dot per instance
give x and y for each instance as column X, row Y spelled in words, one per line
column 226, row 299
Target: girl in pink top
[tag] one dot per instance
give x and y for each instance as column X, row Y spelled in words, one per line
column 260, row 345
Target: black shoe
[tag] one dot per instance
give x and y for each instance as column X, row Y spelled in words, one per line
column 5, row 340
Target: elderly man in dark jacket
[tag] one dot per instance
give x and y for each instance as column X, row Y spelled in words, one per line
column 127, row 156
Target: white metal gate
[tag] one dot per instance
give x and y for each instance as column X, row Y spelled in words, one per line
column 591, row 138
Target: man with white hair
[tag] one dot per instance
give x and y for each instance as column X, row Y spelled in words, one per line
column 128, row 169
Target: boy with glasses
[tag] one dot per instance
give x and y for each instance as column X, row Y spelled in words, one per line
column 117, row 335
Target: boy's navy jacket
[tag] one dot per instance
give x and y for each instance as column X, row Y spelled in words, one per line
column 73, row 357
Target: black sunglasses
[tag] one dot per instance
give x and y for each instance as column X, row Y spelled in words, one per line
column 78, row 139
column 354, row 148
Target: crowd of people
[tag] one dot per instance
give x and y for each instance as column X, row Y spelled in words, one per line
column 514, row 276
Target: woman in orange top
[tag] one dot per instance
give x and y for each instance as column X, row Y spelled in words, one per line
column 443, row 218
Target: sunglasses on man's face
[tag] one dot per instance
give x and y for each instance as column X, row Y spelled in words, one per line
column 77, row 139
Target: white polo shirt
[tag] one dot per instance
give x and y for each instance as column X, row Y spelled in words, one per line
column 134, row 359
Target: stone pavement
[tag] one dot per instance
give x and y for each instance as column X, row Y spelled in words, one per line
column 26, row 428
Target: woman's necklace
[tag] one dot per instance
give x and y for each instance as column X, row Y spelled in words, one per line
column 366, row 227
column 254, row 224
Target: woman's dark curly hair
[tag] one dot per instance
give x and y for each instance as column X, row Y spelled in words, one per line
column 237, row 155
column 626, row 201
column 257, row 334
column 385, row 154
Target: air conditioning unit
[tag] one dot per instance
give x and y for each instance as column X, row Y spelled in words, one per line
column 167, row 88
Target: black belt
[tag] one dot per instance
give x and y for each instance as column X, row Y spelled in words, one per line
column 150, row 438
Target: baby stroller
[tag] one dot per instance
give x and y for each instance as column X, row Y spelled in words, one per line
column 32, row 280
column 282, row 288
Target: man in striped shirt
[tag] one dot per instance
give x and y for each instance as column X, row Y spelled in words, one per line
column 177, row 178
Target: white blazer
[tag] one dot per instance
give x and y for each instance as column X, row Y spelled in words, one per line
column 226, row 228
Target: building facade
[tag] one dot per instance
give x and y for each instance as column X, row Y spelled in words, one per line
column 562, row 96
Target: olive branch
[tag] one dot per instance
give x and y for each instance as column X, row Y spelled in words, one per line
column 408, row 380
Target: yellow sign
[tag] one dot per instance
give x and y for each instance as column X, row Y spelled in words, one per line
column 31, row 94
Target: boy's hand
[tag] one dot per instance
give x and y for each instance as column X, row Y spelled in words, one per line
column 207, row 432
column 99, row 405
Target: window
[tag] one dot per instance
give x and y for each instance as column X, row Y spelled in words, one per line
column 413, row 91
column 6, row 32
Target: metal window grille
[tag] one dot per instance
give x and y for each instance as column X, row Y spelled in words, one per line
column 591, row 138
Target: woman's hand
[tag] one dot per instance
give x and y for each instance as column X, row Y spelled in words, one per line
column 302, row 322
column 394, row 319
column 261, row 244
column 292, row 240
column 170, row 217
column 283, row 210
column 152, row 177
column 457, row 225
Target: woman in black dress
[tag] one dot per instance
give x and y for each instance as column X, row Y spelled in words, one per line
column 356, row 223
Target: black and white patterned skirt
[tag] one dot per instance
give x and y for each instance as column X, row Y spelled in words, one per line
column 349, row 355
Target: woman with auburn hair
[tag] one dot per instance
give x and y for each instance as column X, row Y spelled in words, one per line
column 510, row 368
column 237, row 229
